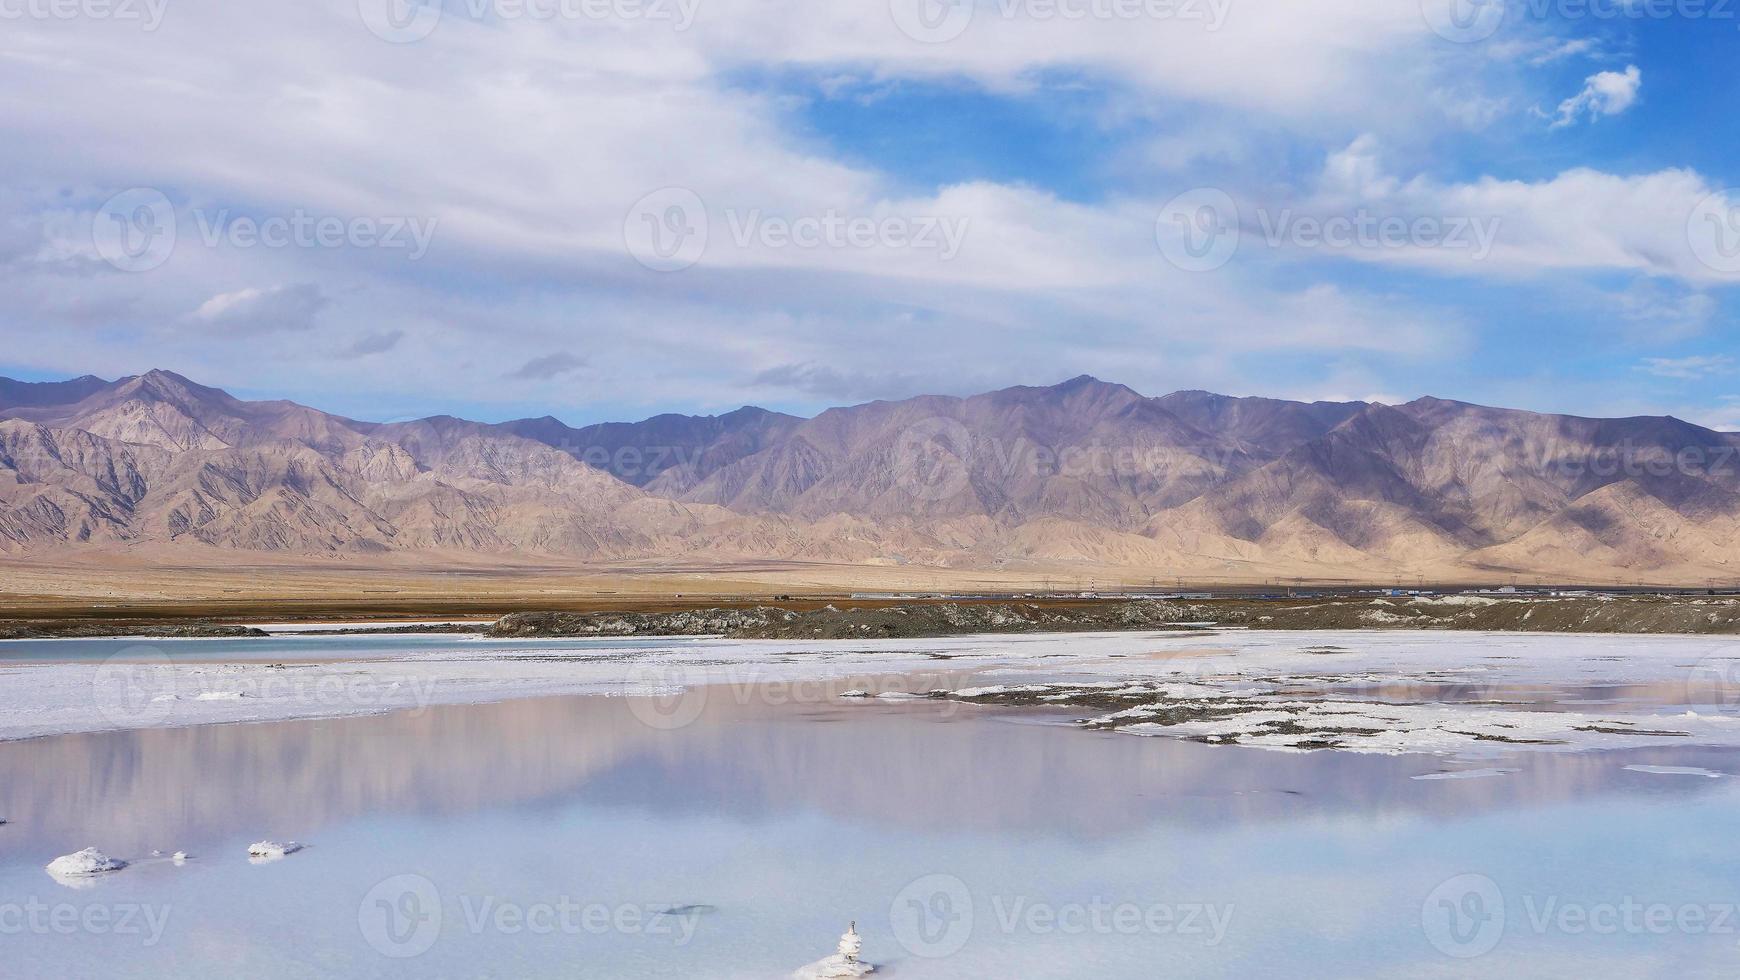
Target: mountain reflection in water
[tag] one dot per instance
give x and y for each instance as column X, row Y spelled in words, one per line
column 751, row 754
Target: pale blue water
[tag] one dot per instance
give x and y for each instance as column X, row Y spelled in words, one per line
column 965, row 843
column 294, row 647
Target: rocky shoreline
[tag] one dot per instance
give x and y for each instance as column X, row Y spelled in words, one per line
column 831, row 623
column 97, row 629
column 1690, row 615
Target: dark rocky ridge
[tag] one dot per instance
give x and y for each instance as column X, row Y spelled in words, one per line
column 1713, row 615
column 87, row 629
column 830, row 623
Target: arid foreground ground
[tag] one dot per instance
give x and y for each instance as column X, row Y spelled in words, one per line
column 772, row 600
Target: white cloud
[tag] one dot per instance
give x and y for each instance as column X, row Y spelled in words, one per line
column 1724, row 417
column 584, row 118
column 824, row 381
column 1688, row 368
column 1581, row 219
column 1295, row 60
column 583, row 125
column 1544, row 51
column 1661, row 312
column 530, row 141
column 290, row 307
column 1565, row 49
column 1606, row 93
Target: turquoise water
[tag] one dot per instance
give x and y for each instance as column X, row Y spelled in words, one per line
column 565, row 838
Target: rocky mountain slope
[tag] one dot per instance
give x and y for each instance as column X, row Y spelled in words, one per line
column 1083, row 473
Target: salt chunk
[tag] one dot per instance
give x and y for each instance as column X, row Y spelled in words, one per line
column 844, row 963
column 1677, row 771
column 267, row 850
column 89, row 861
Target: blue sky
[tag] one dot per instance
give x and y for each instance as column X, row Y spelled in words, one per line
column 617, row 210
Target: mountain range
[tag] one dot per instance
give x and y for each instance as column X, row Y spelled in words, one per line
column 1083, row 474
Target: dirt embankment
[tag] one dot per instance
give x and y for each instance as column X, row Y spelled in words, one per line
column 56, row 629
column 1565, row 615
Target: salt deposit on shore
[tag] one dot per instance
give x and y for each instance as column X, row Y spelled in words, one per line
column 1466, row 774
column 1677, row 771
column 1460, row 693
column 844, row 963
column 261, row 852
column 89, row 861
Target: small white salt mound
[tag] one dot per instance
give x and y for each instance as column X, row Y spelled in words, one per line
column 220, row 696
column 266, row 850
column 844, row 962
column 89, row 861
column 1677, row 771
column 179, row 857
column 1466, row 774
